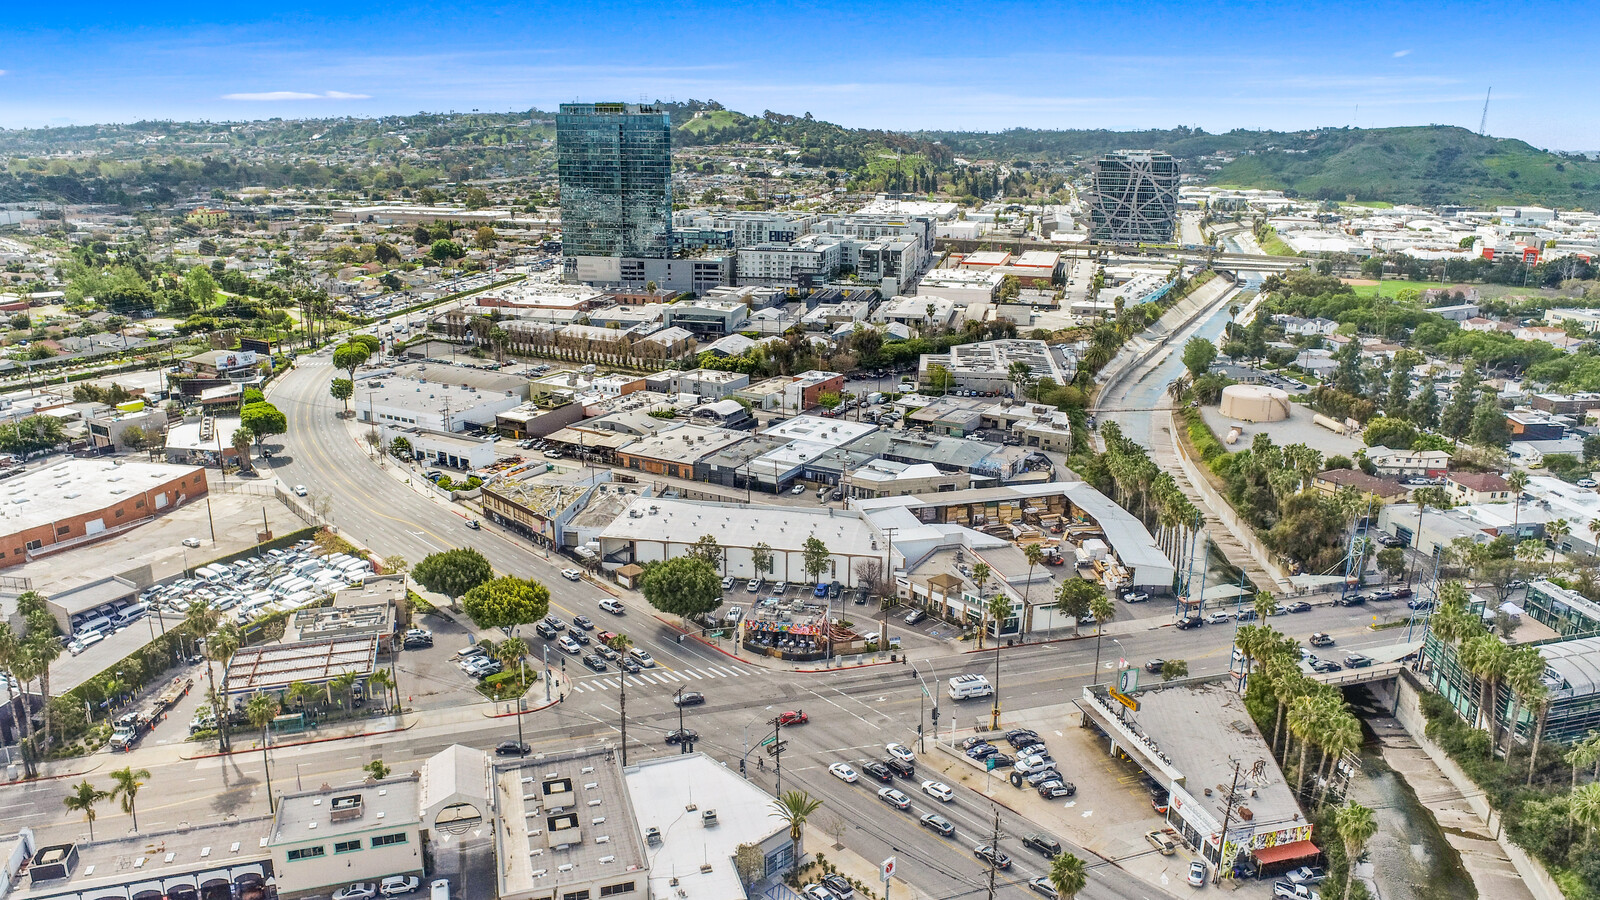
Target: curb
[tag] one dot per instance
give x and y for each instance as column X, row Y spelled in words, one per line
column 326, row 740
column 531, row 709
column 748, row 662
column 37, row 778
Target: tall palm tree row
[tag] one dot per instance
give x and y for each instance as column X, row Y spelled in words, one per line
column 1356, row 826
column 261, row 710
column 128, row 782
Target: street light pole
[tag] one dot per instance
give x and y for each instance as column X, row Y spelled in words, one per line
column 547, row 673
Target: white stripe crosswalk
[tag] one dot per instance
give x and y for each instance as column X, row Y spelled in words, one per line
column 661, row 677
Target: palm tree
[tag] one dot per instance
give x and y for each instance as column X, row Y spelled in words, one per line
column 1287, row 684
column 622, row 643
column 1584, row 808
column 511, row 651
column 1103, row 611
column 1524, row 675
column 1486, row 657
column 1557, row 530
column 381, row 681
column 220, row 647
column 1356, row 826
column 262, row 709
column 795, row 807
column 980, row 577
column 1306, row 715
column 129, row 780
column 82, row 799
column 300, row 692
column 1517, row 481
column 241, row 440
column 1343, row 735
column 1068, row 875
column 343, row 683
column 1035, row 555
column 1266, row 605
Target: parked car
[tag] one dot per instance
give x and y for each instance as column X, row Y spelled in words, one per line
column 1350, row 600
column 1135, row 597
column 571, row 574
column 399, row 885
column 1054, row 790
column 1298, row 606
column 838, row 886
column 1320, row 639
column 361, row 890
column 1217, row 618
column 1159, row 839
column 1043, row 887
column 982, row 751
column 1307, row 875
column 1017, row 736
column 1294, row 891
column 1358, row 660
column 727, row 583
column 915, row 617
column 1197, row 874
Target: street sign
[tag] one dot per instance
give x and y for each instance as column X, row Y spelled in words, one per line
column 988, row 764
column 769, row 740
column 886, row 870
column 1128, row 680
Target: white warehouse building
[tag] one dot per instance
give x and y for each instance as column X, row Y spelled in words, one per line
column 398, row 402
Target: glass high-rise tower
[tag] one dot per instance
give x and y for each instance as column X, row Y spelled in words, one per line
column 1135, row 197
column 614, row 161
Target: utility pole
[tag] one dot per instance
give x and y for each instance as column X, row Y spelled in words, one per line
column 777, row 754
column 994, row 850
column 883, row 631
column 1227, row 816
column 623, row 678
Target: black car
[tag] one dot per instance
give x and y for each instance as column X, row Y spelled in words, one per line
column 689, row 698
column 511, row 748
column 579, row 636
column 594, row 662
column 1419, row 604
column 1299, row 606
column 1017, row 734
column 546, row 630
column 992, row 855
column 1155, row 666
column 900, row 767
column 982, row 751
column 629, row 666
column 879, row 771
column 679, row 736
column 1326, row 665
column 418, row 643
column 554, row 622
column 1350, row 600
column 1043, row 843
column 1188, row 623
column 1054, row 790
column 583, row 622
column 1044, row 775
column 1357, row 661
column 1000, row 760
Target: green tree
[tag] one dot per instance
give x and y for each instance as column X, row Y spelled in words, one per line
column 200, row 287
column 263, row 419
column 506, row 602
column 349, row 356
column 128, row 781
column 708, row 549
column 1174, row 668
column 261, row 710
column 475, row 198
column 1068, row 875
column 83, row 798
column 1074, row 598
column 829, row 400
column 485, row 238
column 761, row 558
column 377, row 769
column 1386, row 432
column 683, row 586
column 1198, row 354
column 1356, row 826
column 794, row 808
column 1392, row 560
column 369, row 341
column 342, row 389
column 816, row 557
column 452, row 572
column 446, row 250
column 1010, row 289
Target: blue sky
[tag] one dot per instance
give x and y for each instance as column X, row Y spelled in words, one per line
column 884, row 64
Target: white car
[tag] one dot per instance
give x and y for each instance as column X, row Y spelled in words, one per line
column 642, row 657
column 900, row 752
column 1197, row 874
column 612, row 606
column 361, row 890
column 1217, row 618
column 938, row 790
column 843, row 772
column 191, row 543
column 571, row 574
column 395, row 885
column 569, row 645
column 300, row 491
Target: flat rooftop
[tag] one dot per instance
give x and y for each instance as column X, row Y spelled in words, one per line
column 341, row 810
column 74, row 487
column 666, row 793
column 741, row 525
column 816, row 429
column 1204, row 729
column 187, row 435
column 276, row 666
column 191, row 855
column 564, row 817
column 685, row 445
column 94, row 594
column 431, row 395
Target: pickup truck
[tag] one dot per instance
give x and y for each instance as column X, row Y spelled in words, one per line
column 1292, row 891
column 1307, row 875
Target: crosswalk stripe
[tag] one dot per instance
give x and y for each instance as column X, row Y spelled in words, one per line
column 714, row 672
column 649, row 679
column 735, row 671
column 612, row 682
column 724, row 670
column 670, row 676
column 697, row 675
column 577, row 688
column 633, row 681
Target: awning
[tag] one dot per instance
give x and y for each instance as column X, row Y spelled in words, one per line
column 213, row 877
column 247, row 873
column 180, row 881
column 1286, row 852
column 106, row 893
column 146, row 888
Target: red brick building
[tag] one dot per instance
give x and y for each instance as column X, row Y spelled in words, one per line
column 79, row 501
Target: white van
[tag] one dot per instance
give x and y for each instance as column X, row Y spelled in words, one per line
column 306, row 569
column 642, row 657
column 131, row 613
column 439, row 890
column 967, row 687
column 213, row 574
column 93, row 623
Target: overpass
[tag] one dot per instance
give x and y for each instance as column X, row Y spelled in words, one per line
column 1113, row 253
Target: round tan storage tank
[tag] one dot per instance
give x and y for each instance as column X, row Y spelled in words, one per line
column 1255, row 403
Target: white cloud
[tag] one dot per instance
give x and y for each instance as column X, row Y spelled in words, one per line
column 4, row 72
column 296, row 95
column 1400, row 53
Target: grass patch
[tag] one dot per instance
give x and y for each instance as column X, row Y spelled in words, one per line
column 1274, row 245
column 1391, row 288
column 507, row 685
column 1370, row 204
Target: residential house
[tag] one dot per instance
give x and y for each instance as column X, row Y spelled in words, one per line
column 1474, row 487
